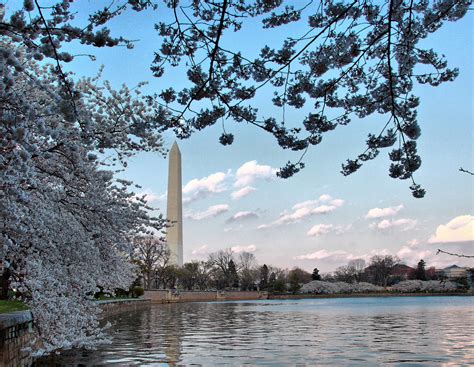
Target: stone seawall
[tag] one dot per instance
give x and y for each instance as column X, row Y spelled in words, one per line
column 15, row 337
column 169, row 296
column 16, row 330
column 116, row 306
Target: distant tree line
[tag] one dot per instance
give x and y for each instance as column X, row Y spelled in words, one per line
column 382, row 270
column 226, row 270
column 221, row 270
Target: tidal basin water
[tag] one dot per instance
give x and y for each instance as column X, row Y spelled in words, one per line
column 412, row 331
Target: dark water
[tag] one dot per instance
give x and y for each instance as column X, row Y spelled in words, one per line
column 410, row 331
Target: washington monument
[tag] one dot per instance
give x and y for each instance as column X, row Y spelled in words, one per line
column 174, row 235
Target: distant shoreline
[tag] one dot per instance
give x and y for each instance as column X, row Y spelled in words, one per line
column 167, row 296
column 361, row 295
column 116, row 306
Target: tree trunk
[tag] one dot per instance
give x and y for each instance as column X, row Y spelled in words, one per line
column 5, row 284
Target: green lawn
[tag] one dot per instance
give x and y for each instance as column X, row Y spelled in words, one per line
column 10, row 306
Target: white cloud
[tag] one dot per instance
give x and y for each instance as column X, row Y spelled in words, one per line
column 325, row 197
column 326, row 202
column 305, row 204
column 383, row 212
column 412, row 255
column 304, row 212
column 409, row 254
column 322, row 254
column 249, row 248
column 413, row 242
column 403, row 224
column 459, row 229
column 337, row 202
column 210, row 212
column 232, row 229
column 242, row 216
column 340, row 257
column 251, row 171
column 202, row 250
column 239, row 194
column 204, row 187
column 322, row 229
column 306, row 209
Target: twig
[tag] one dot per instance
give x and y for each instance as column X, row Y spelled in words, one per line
column 58, row 65
column 466, row 171
column 449, row 253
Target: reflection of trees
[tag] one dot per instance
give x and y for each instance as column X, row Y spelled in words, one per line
column 156, row 332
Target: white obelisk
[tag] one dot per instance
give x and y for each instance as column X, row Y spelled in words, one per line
column 174, row 236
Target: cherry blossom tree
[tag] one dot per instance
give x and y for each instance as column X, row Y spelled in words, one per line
column 66, row 219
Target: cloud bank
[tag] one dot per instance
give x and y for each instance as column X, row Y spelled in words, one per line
column 239, row 194
column 404, row 224
column 239, row 249
column 210, row 212
column 325, row 204
column 201, row 251
column 458, row 229
column 240, row 216
column 250, row 171
column 201, row 188
column 383, row 212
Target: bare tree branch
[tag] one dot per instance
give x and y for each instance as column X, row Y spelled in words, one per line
column 466, row 171
column 453, row 254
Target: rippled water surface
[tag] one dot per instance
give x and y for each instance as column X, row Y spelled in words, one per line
column 345, row 331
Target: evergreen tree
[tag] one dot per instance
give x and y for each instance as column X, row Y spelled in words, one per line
column 263, row 276
column 233, row 277
column 420, row 272
column 294, row 282
column 315, row 275
column 272, row 279
column 279, row 285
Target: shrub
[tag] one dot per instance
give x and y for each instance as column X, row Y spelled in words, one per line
column 119, row 292
column 137, row 292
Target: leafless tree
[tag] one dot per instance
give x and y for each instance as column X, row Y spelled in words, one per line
column 221, row 259
column 152, row 256
column 357, row 267
column 380, row 268
column 248, row 270
column 195, row 274
column 247, row 261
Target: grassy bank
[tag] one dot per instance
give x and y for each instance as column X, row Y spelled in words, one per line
column 12, row 306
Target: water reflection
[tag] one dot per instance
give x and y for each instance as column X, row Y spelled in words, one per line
column 416, row 331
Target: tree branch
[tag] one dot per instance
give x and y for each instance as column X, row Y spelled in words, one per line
column 453, row 254
column 466, row 171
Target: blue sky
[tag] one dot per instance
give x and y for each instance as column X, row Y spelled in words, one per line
column 317, row 218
